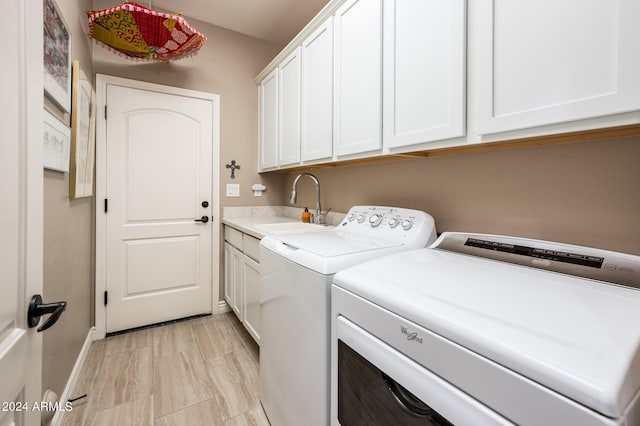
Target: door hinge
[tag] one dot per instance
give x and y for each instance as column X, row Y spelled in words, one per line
column 106, row 205
column 105, row 112
column 106, row 298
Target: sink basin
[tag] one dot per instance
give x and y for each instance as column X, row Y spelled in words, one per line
column 289, row 227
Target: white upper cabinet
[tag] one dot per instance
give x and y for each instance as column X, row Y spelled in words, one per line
column 268, row 111
column 317, row 94
column 289, row 101
column 358, row 77
column 367, row 78
column 547, row 61
column 424, row 71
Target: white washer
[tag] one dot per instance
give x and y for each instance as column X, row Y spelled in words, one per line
column 486, row 329
column 296, row 272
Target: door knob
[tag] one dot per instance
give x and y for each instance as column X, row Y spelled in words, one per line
column 38, row 309
column 203, row 219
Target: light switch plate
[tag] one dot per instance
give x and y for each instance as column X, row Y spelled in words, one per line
column 233, row 190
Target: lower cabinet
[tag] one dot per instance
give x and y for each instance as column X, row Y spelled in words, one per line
column 251, row 271
column 233, row 278
column 242, row 278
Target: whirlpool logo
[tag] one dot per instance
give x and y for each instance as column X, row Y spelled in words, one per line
column 411, row 335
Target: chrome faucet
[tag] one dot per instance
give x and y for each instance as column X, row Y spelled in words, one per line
column 319, row 219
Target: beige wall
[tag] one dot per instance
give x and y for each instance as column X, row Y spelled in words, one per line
column 582, row 193
column 68, row 241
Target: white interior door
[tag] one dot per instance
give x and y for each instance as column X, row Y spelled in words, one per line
column 21, row 213
column 159, row 166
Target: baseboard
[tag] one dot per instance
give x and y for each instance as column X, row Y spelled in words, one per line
column 75, row 373
column 223, row 307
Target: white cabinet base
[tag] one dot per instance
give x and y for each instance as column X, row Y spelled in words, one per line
column 242, row 279
column 251, row 270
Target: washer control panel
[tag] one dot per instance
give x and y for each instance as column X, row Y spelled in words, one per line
column 587, row 262
column 390, row 223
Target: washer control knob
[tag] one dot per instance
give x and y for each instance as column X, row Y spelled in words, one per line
column 407, row 224
column 360, row 218
column 351, row 217
column 375, row 220
column 393, row 222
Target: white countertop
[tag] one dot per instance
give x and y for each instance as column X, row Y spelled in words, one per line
column 247, row 224
column 245, row 219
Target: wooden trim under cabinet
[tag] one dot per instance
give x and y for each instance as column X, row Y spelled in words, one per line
column 570, row 137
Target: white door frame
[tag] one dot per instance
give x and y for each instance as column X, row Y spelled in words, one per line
column 102, row 81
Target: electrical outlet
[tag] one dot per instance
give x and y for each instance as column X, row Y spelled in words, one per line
column 233, row 190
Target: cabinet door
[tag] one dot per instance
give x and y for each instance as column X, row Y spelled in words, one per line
column 237, row 302
column 317, row 94
column 358, row 77
column 233, row 279
column 251, row 270
column 550, row 61
column 424, row 71
column 228, row 274
column 269, row 121
column 289, row 101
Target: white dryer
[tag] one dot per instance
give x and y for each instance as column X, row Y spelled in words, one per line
column 296, row 272
column 488, row 330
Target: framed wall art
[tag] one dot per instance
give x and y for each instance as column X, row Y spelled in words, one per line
column 57, row 56
column 83, row 139
column 56, row 143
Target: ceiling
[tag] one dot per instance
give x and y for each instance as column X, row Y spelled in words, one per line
column 276, row 21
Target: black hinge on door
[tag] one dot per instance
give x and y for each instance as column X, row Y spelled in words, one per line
column 106, row 205
column 105, row 112
column 106, row 298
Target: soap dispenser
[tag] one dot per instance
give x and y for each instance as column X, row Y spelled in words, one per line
column 306, row 216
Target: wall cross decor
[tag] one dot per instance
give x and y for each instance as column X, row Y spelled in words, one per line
column 233, row 166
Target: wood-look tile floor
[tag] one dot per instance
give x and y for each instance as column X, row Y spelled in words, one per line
column 197, row 372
